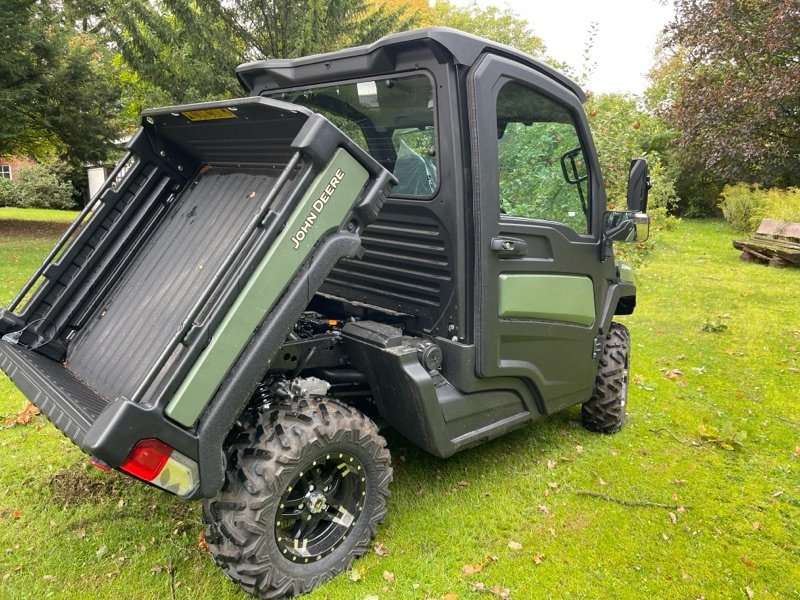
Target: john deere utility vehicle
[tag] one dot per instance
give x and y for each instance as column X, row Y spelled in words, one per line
column 414, row 230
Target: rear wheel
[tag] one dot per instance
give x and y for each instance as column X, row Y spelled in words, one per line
column 306, row 486
column 605, row 410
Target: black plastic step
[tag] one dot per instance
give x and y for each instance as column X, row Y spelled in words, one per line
column 66, row 401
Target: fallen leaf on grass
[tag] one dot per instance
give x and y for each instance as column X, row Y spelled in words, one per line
column 354, row 575
column 495, row 590
column 380, row 549
column 601, row 481
column 16, row 514
column 749, row 592
column 450, row 596
column 797, row 451
column 371, row 597
column 471, row 569
column 23, row 417
column 777, row 493
column 551, row 464
column 673, row 518
column 201, row 541
column 578, row 448
column 552, row 484
column 544, row 509
column 49, row 577
column 673, row 374
column 756, row 525
column 514, row 545
column 747, row 562
column 537, row 558
column 388, row 576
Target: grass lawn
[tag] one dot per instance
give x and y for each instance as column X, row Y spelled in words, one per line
column 713, row 435
column 37, row 214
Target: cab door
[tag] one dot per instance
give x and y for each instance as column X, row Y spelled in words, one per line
column 537, row 207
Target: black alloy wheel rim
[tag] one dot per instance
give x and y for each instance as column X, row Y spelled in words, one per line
column 320, row 507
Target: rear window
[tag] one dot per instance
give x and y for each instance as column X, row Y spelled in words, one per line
column 391, row 118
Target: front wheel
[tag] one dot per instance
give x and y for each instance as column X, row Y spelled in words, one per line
column 605, row 410
column 306, row 485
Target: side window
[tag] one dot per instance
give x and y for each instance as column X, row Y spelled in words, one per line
column 542, row 171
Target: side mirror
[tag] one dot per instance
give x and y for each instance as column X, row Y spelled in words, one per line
column 626, row 226
column 638, row 185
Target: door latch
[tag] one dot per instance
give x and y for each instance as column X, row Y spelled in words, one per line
column 509, row 247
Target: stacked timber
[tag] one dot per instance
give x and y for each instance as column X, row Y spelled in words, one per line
column 776, row 243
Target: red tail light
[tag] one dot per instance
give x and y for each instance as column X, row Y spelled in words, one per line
column 147, row 459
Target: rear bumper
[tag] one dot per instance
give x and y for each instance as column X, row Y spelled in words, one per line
column 107, row 430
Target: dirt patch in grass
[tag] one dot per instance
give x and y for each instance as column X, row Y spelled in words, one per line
column 15, row 228
column 77, row 485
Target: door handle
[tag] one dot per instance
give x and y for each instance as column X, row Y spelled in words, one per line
column 509, row 247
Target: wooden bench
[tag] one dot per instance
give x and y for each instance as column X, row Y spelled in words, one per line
column 776, row 243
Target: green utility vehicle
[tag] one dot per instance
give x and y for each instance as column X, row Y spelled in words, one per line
column 412, row 232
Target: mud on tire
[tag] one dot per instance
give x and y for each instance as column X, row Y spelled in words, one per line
column 605, row 410
column 306, row 485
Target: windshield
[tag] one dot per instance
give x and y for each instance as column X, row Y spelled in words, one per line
column 390, row 118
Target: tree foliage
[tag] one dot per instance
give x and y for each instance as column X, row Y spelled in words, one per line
column 501, row 25
column 733, row 90
column 189, row 49
column 56, row 97
column 183, row 50
column 622, row 131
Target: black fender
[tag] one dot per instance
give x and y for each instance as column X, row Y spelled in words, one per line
column 620, row 300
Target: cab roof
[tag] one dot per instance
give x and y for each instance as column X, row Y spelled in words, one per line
column 447, row 45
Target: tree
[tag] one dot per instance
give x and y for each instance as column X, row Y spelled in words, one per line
column 623, row 131
column 189, row 49
column 736, row 91
column 500, row 25
column 56, row 96
column 176, row 50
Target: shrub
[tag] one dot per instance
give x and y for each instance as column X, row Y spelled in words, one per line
column 6, row 192
column 783, row 205
column 39, row 185
column 743, row 205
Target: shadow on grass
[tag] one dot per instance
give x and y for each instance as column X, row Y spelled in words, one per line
column 11, row 228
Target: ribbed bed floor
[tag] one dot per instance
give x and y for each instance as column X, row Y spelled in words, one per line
column 134, row 324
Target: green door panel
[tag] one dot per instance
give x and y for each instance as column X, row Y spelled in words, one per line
column 322, row 209
column 567, row 298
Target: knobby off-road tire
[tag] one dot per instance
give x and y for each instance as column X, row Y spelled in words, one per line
column 306, row 485
column 605, row 410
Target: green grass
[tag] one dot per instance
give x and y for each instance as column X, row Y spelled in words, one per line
column 37, row 214
column 70, row 531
